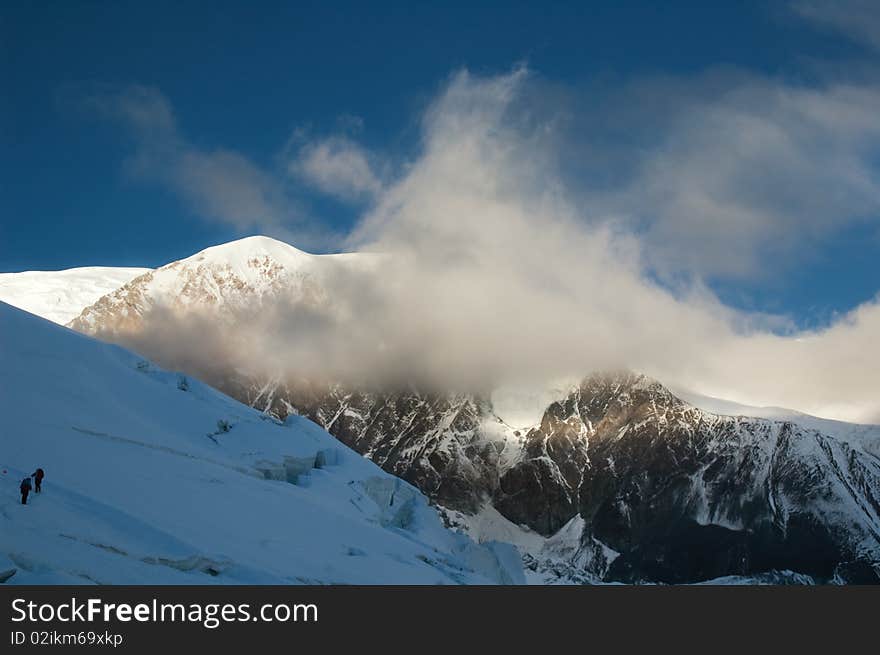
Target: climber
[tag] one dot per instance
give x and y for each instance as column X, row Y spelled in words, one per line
column 38, row 479
column 25, row 490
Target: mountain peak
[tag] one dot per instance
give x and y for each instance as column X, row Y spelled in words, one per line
column 625, row 382
column 247, row 248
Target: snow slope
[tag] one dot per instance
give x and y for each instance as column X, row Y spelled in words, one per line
column 60, row 296
column 153, row 478
column 866, row 436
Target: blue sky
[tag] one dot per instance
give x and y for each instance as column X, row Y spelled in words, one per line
column 264, row 80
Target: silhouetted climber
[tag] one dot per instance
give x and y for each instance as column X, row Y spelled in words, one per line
column 38, row 479
column 25, row 490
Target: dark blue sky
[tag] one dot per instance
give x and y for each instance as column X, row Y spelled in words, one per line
column 244, row 76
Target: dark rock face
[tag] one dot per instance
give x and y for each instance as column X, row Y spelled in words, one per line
column 541, row 491
column 684, row 495
column 531, row 493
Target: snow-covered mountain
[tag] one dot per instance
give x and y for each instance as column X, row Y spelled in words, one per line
column 153, row 477
column 616, row 479
column 242, row 273
column 675, row 493
column 60, row 296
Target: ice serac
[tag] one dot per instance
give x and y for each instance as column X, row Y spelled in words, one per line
column 153, row 477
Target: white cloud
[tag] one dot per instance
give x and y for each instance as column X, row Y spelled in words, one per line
column 337, row 166
column 830, row 372
column 496, row 273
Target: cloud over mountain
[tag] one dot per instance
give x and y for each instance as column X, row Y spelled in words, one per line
column 492, row 270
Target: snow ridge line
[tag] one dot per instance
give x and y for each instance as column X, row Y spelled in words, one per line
column 165, row 449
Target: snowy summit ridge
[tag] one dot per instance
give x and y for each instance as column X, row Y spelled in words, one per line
column 233, row 274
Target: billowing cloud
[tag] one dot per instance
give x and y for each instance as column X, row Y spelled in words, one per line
column 492, row 270
column 503, row 274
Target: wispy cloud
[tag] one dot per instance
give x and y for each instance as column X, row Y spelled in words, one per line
column 218, row 184
column 746, row 174
column 857, row 19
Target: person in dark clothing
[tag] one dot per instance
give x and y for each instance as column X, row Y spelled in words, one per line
column 38, row 479
column 25, row 490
